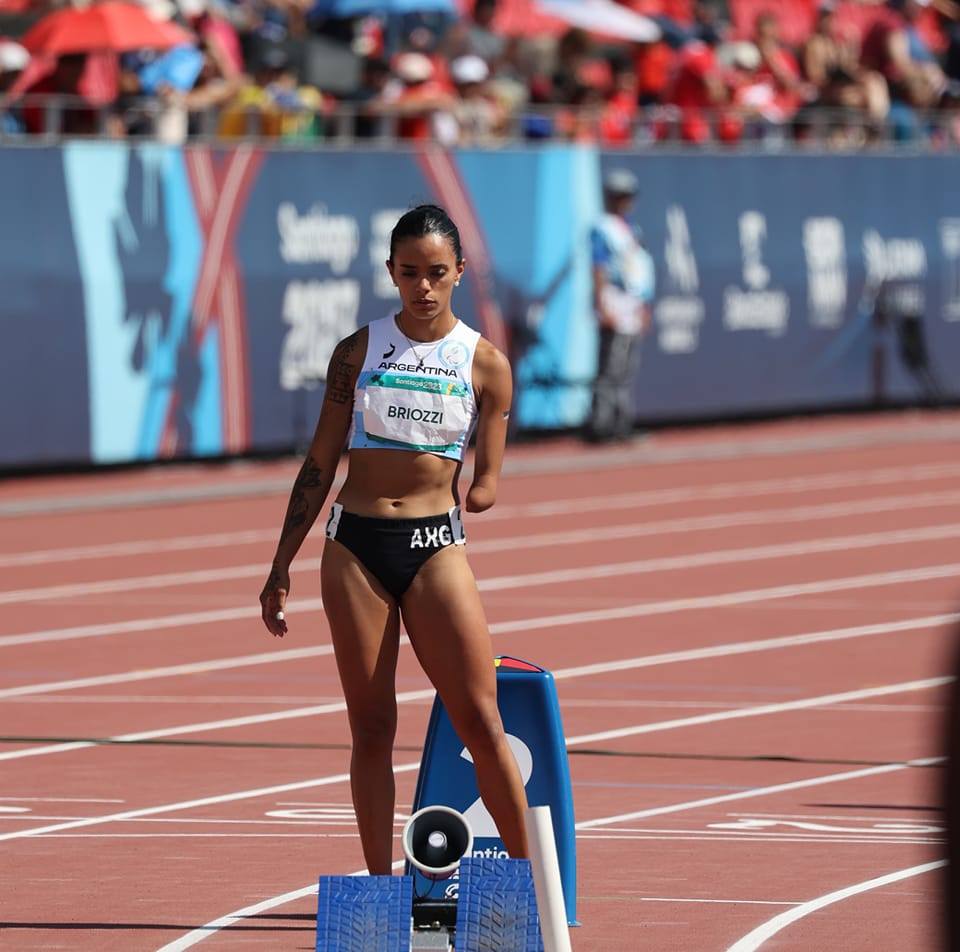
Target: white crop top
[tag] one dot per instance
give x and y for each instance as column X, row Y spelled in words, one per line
column 415, row 396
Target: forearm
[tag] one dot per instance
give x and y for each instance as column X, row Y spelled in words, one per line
column 307, row 497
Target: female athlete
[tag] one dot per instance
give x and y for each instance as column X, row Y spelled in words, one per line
column 404, row 393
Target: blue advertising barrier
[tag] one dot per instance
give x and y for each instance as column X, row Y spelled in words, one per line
column 527, row 699
column 167, row 302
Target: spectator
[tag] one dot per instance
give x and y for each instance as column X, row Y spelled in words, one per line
column 273, row 104
column 193, row 111
column 894, row 48
column 620, row 110
column 481, row 39
column 778, row 69
column 698, row 89
column 13, row 61
column 77, row 117
column 623, row 289
column 371, row 99
column 479, row 117
column 572, row 57
column 831, row 63
column 579, row 119
column 424, row 105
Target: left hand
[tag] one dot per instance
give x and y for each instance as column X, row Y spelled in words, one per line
column 480, row 498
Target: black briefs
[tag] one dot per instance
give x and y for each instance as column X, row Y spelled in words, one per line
column 393, row 550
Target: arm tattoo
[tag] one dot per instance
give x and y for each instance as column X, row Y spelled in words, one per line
column 309, row 477
column 340, row 378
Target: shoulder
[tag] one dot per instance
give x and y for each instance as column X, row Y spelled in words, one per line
column 489, row 360
column 491, row 369
column 353, row 347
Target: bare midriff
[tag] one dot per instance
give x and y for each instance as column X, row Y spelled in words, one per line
column 398, row 484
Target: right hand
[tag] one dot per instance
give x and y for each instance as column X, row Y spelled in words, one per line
column 605, row 320
column 273, row 599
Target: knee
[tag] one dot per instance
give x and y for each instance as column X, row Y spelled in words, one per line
column 373, row 729
column 481, row 730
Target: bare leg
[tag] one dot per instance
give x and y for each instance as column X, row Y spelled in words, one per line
column 448, row 631
column 365, row 628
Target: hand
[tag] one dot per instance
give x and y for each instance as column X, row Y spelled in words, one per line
column 273, row 600
column 606, row 321
column 480, row 498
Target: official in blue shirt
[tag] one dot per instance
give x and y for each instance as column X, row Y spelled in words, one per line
column 624, row 282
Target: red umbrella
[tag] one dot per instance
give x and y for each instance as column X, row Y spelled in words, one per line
column 113, row 26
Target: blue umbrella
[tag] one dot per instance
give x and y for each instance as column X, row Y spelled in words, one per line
column 359, row 8
column 179, row 68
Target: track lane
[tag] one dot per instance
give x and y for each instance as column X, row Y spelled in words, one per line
column 903, row 723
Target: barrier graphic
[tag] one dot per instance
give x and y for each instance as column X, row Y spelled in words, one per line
column 184, row 302
column 527, row 698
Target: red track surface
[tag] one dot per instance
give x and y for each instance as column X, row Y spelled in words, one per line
column 696, row 829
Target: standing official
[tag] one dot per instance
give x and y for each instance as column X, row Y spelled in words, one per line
column 624, row 281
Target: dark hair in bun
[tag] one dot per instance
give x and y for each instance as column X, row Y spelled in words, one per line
column 426, row 220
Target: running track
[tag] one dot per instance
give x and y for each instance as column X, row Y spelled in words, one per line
column 751, row 631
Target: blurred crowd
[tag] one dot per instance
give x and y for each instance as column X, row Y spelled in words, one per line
column 841, row 72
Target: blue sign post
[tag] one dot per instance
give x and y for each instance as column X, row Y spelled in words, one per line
column 527, row 698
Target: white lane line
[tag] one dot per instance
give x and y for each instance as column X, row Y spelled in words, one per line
column 896, row 475
column 765, row 709
column 735, row 902
column 195, row 936
column 608, row 570
column 771, row 838
column 867, row 540
column 760, row 710
column 192, row 804
column 766, row 644
column 740, row 837
column 759, row 791
column 694, row 654
column 755, row 939
column 59, row 800
column 746, row 517
column 582, row 838
column 332, row 708
column 178, row 699
column 722, row 556
column 113, row 550
column 297, row 654
column 157, row 623
column 171, row 671
column 313, row 834
column 909, row 821
column 614, row 503
column 224, row 922
column 747, row 596
column 924, row 835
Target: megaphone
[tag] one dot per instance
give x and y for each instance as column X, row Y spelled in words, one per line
column 435, row 839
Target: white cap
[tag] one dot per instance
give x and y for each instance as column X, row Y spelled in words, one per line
column 13, row 58
column 469, row 69
column 413, row 67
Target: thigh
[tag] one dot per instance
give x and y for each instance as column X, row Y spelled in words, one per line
column 448, row 630
column 365, row 629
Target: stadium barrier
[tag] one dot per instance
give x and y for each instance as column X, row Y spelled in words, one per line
column 163, row 302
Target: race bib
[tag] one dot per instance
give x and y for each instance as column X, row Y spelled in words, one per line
column 419, row 412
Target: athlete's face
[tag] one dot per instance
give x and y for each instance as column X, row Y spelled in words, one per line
column 425, row 271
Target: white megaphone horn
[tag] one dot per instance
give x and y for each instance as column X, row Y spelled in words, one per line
column 435, row 839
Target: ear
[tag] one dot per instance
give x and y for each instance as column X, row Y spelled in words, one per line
column 389, row 265
column 460, row 268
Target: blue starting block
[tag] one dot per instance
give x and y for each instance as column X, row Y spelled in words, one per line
column 496, row 912
column 527, row 699
column 497, row 907
column 364, row 913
